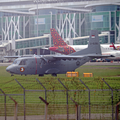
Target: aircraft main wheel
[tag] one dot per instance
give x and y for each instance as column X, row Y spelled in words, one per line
column 54, row 74
column 41, row 75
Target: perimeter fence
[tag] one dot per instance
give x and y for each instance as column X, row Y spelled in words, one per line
column 60, row 99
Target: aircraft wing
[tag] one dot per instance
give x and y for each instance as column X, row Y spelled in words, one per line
column 45, row 48
column 81, row 56
column 12, row 56
column 67, row 57
column 99, row 56
column 19, row 56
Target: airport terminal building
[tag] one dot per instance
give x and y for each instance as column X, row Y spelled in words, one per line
column 25, row 24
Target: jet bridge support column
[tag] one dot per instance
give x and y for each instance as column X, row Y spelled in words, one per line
column 18, row 52
column 24, row 51
column 38, row 51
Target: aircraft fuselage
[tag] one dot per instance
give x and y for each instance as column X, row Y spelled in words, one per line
column 25, row 66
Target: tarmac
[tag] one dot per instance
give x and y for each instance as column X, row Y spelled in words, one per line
column 102, row 63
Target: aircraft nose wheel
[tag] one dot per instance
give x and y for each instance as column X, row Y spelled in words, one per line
column 54, row 75
column 12, row 75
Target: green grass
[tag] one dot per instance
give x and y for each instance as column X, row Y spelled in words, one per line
column 100, row 71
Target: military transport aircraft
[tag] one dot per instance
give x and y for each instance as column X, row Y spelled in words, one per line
column 57, row 64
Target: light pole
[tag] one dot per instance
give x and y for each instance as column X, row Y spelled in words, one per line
column 50, row 27
column 51, row 19
column 36, row 1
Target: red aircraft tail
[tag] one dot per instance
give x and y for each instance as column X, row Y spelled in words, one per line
column 113, row 46
column 57, row 40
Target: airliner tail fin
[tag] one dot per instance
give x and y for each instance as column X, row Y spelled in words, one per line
column 57, row 40
column 113, row 46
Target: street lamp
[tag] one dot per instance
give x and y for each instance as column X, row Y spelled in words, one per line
column 51, row 19
column 36, row 1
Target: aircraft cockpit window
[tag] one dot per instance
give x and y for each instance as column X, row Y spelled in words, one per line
column 16, row 62
column 23, row 62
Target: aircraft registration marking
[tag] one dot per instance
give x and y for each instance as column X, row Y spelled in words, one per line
column 22, row 69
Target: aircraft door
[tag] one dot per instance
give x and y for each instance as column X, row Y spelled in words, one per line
column 41, row 65
column 31, row 66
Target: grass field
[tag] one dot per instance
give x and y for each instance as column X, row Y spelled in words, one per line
column 111, row 74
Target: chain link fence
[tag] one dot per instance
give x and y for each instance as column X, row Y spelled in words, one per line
column 60, row 99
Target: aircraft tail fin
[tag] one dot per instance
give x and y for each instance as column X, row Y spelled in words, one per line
column 93, row 45
column 57, row 40
column 113, row 46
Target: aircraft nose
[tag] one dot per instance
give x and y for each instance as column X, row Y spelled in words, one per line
column 8, row 69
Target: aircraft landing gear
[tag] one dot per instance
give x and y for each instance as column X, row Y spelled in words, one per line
column 54, row 75
column 12, row 75
column 41, row 74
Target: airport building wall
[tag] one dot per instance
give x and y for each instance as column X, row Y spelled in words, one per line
column 14, row 27
column 69, row 24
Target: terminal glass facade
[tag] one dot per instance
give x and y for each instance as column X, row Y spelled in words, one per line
column 107, row 8
column 44, row 25
column 0, row 29
column 81, row 41
column 32, row 43
column 97, row 21
column 103, row 21
column 14, row 27
column 66, row 22
column 118, row 24
column 69, row 23
column 102, row 39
